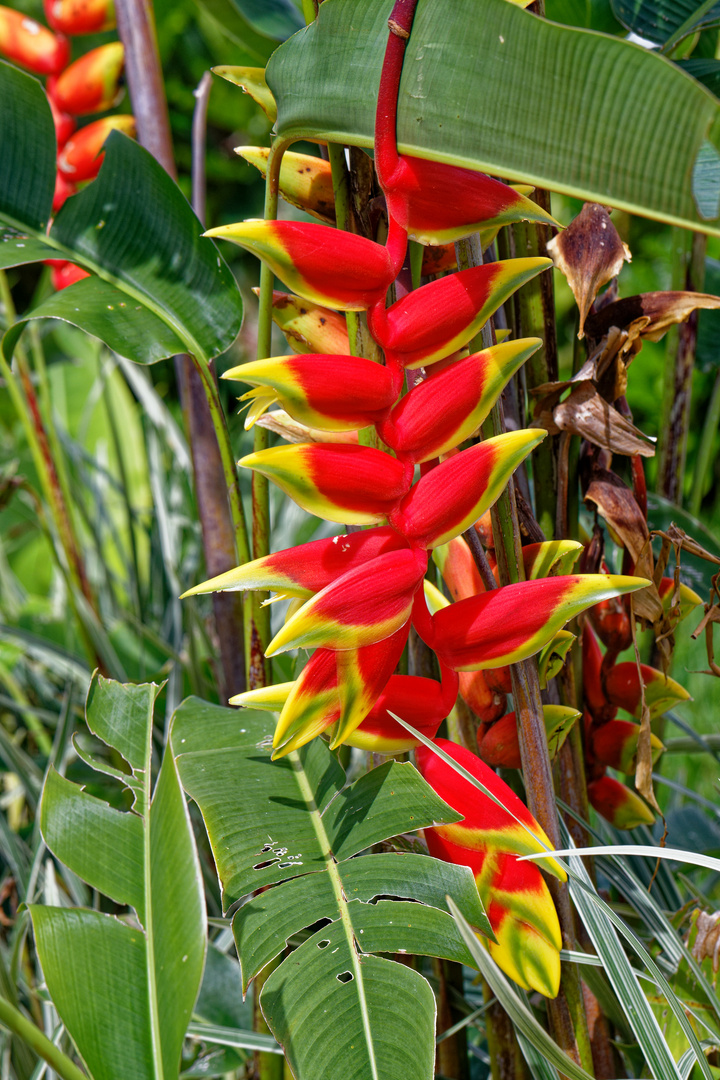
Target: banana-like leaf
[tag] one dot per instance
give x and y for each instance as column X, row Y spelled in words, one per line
column 132, row 227
column 125, row 988
column 276, row 19
column 563, row 119
column 294, row 825
column 659, row 20
column 589, row 14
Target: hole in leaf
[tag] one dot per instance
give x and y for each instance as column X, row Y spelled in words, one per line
column 323, row 944
column 345, row 977
column 262, row 865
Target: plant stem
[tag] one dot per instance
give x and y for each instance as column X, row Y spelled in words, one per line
column 33, row 1037
column 136, row 29
column 704, row 460
column 688, row 273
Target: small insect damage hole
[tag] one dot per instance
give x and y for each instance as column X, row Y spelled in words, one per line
column 345, row 977
column 262, row 865
column 323, row 944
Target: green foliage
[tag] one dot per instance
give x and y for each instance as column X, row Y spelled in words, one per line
column 295, row 825
column 139, row 979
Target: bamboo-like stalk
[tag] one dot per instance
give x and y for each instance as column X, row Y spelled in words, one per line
column 704, row 459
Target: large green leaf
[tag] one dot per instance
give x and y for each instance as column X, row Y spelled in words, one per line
column 659, row 20
column 490, row 86
column 132, row 227
column 589, row 14
column 125, row 990
column 294, row 825
column 274, row 18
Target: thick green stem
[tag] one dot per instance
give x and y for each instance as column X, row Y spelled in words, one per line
column 36, row 1039
column 535, row 308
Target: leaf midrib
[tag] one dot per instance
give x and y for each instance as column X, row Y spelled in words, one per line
column 334, row 875
column 192, row 345
column 148, row 913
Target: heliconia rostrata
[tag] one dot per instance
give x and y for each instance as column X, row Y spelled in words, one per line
column 357, row 594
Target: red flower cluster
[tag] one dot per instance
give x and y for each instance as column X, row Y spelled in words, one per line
column 91, row 84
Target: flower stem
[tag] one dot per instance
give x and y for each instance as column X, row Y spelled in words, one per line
column 37, row 1040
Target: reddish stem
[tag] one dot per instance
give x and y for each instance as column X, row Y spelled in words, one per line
column 386, row 155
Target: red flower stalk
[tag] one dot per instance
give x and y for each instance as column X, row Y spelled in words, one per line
column 518, row 903
column 357, row 485
column 81, row 157
column 31, row 45
column 447, row 407
column 306, row 569
column 447, row 500
column 433, row 202
column 329, row 267
column 612, row 624
column 618, row 804
column 92, row 83
column 75, row 17
column 622, row 687
column 615, row 744
column 365, row 605
column 512, row 623
column 333, row 393
column 436, row 319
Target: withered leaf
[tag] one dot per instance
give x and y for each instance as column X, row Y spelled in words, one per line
column 616, row 504
column 587, row 414
column 589, row 253
column 707, row 939
column 661, row 310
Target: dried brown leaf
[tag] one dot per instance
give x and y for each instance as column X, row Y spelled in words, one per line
column 589, row 253
column 707, row 939
column 661, row 310
column 587, row 414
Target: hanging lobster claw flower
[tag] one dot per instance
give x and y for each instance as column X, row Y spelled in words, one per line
column 81, row 157
column 455, row 562
column 365, row 605
column 516, row 621
column 309, row 328
column 337, row 269
column 334, row 393
column 66, row 273
column 63, row 191
column 433, row 321
column 611, row 623
column 553, row 656
column 550, row 557
column 518, row 904
column 598, row 705
column 448, row 499
column 446, row 408
column 357, row 485
column 687, row 599
column 305, row 181
column 615, row 744
column 92, row 83
column 618, row 804
column 622, row 688
column 423, row 702
column 31, row 45
column 305, row 569
column 438, row 204
column 487, row 704
column 336, row 688
column 75, row 17
column 499, row 746
column 485, row 824
column 264, row 698
column 64, row 123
